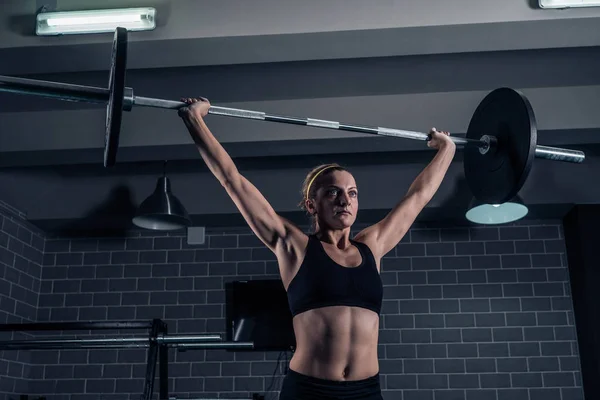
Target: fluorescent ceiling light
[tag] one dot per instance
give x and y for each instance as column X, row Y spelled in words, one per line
column 95, row 21
column 568, row 3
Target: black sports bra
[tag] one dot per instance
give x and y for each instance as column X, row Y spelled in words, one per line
column 321, row 282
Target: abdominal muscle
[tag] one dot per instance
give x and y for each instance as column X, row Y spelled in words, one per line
column 336, row 343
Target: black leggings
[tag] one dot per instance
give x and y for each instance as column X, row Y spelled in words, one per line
column 297, row 386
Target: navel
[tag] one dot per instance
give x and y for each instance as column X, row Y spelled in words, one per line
column 345, row 372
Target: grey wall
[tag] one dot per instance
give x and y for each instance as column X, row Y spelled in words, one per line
column 469, row 313
column 21, row 254
column 195, row 33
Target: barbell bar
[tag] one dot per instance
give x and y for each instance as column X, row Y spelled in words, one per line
column 500, row 144
column 91, row 94
column 551, row 153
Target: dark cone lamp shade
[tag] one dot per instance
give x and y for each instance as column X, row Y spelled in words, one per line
column 162, row 211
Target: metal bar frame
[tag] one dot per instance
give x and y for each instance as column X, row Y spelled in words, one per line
column 158, row 327
column 163, row 368
column 121, row 343
column 75, row 326
column 158, row 343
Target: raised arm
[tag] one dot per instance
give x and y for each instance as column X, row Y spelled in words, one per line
column 385, row 235
column 275, row 232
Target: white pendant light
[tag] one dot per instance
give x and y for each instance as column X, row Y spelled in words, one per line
column 493, row 214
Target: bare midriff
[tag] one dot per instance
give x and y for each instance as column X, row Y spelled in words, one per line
column 336, row 343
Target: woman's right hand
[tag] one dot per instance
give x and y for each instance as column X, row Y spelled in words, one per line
column 195, row 106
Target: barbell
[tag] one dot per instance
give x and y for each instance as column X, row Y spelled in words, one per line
column 500, row 144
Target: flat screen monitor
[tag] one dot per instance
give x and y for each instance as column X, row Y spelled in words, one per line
column 257, row 311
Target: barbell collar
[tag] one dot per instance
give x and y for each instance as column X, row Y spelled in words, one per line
column 128, row 99
column 490, row 143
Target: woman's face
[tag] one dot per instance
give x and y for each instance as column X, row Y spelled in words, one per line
column 336, row 200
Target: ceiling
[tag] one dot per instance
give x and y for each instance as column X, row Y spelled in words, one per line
column 408, row 64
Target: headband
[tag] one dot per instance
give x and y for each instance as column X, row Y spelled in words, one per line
column 315, row 177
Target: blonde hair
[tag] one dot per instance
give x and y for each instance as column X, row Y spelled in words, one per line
column 312, row 182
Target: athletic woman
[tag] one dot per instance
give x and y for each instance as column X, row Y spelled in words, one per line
column 332, row 281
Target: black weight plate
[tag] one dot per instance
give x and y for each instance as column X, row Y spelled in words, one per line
column 497, row 177
column 116, row 85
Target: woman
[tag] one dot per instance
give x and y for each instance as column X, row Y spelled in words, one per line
column 332, row 281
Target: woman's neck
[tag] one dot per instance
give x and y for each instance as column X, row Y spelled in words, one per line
column 338, row 238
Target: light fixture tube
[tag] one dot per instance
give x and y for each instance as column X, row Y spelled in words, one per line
column 568, row 3
column 95, row 21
